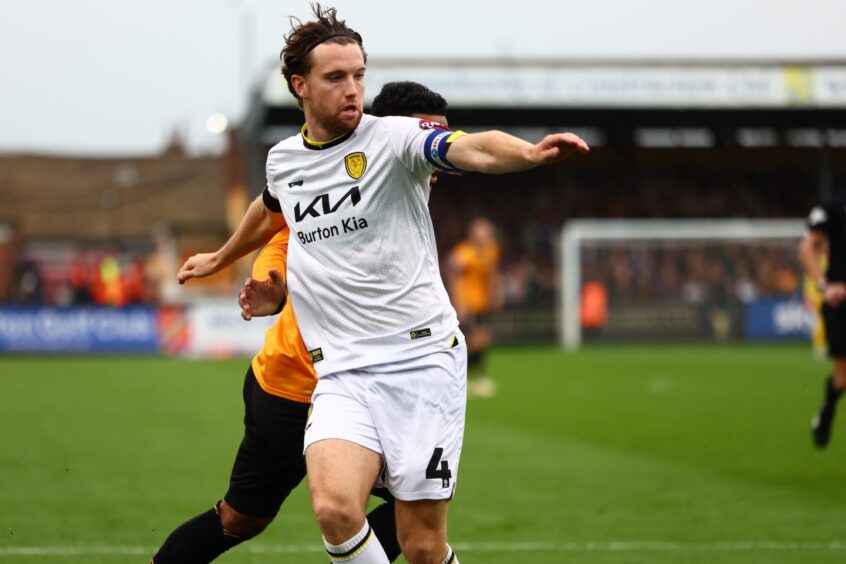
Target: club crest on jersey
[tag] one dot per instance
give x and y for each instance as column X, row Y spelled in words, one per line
column 356, row 164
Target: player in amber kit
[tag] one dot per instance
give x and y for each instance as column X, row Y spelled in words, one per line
column 826, row 239
column 269, row 463
column 475, row 290
column 277, row 395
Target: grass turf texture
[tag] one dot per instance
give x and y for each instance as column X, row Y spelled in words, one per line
column 611, row 455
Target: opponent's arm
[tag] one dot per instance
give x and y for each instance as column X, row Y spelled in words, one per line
column 256, row 228
column 258, row 298
column 264, row 293
column 496, row 152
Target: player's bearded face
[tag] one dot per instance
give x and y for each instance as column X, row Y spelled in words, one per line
column 334, row 89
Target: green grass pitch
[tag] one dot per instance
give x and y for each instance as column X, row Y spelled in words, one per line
column 687, row 454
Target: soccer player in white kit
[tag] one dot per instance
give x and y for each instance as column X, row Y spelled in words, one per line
column 364, row 282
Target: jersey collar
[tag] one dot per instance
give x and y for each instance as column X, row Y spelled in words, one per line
column 320, row 145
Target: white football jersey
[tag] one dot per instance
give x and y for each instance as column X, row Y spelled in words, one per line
column 363, row 274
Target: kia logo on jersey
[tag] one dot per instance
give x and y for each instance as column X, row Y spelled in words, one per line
column 353, row 194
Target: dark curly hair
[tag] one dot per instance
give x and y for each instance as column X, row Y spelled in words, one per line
column 406, row 98
column 304, row 37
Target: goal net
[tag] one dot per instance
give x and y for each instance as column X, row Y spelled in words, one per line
column 691, row 280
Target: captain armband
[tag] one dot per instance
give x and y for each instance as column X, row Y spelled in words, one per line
column 436, row 147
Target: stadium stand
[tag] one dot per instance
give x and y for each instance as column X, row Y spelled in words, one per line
column 690, row 140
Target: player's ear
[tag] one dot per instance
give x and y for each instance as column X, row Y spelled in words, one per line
column 299, row 84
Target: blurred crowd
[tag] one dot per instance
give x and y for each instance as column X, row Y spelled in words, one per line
column 528, row 211
column 738, row 272
column 99, row 276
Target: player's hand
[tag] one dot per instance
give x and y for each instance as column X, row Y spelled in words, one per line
column 198, row 266
column 258, row 298
column 835, row 293
column 557, row 147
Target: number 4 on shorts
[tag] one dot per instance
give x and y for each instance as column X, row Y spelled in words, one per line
column 432, row 471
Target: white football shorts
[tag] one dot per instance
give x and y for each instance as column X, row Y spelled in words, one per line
column 411, row 412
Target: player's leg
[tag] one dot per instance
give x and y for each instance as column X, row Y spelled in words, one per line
column 834, row 386
column 419, row 407
column 343, row 456
column 341, row 475
column 267, row 467
column 260, row 487
column 835, row 329
column 422, row 530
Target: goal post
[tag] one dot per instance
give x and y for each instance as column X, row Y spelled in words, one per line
column 577, row 234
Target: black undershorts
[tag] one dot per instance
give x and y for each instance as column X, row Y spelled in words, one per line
column 269, row 463
column 835, row 329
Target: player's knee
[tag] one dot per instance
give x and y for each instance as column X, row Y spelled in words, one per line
column 335, row 515
column 417, row 547
column 240, row 525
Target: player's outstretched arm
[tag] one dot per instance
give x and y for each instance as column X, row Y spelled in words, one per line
column 496, row 152
column 258, row 298
column 256, row 228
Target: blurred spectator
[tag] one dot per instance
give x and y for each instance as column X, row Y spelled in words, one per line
column 28, row 288
column 81, row 273
column 133, row 283
column 594, row 306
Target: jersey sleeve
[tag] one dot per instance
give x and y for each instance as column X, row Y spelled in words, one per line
column 270, row 194
column 274, row 256
column 271, row 200
column 422, row 145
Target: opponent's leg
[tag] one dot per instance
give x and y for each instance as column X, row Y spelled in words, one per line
column 834, row 386
column 205, row 537
column 383, row 521
column 268, row 466
column 340, row 477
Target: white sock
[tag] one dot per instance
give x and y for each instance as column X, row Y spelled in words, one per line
column 363, row 548
column 451, row 558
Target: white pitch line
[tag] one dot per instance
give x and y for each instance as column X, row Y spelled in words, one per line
column 604, row 546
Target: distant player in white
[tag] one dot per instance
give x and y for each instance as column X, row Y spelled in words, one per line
column 364, row 282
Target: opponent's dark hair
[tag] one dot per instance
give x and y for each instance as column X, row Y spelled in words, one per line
column 304, row 37
column 406, row 98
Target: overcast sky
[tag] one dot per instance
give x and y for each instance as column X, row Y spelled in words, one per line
column 116, row 77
